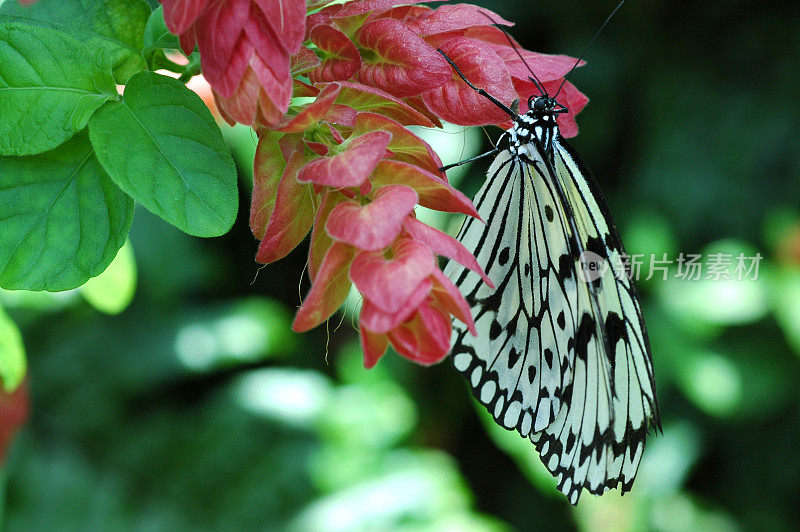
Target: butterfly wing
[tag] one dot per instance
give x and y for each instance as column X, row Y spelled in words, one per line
column 559, row 359
column 597, row 440
column 517, row 362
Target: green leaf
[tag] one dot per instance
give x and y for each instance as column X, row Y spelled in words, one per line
column 12, row 354
column 112, row 291
column 117, row 25
column 157, row 36
column 161, row 145
column 49, row 87
column 63, row 218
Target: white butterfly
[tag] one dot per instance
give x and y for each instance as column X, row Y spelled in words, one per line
column 561, row 354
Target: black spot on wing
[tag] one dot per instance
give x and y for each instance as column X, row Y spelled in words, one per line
column 570, row 442
column 584, row 335
column 565, row 267
column 504, row 256
column 513, row 356
column 615, row 328
column 494, row 330
column 615, row 331
column 548, row 357
column 511, row 327
column 595, row 245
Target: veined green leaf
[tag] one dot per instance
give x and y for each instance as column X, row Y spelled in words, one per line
column 63, row 218
column 117, row 25
column 161, row 145
column 50, row 84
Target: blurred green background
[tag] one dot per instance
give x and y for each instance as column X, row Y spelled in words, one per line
column 197, row 408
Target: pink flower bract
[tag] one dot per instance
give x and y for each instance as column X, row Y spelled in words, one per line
column 352, row 166
column 389, row 283
column 374, row 226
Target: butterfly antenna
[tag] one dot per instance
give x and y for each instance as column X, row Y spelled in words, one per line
column 587, row 47
column 533, row 76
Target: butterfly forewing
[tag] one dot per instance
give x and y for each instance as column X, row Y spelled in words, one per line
column 513, row 364
column 561, row 353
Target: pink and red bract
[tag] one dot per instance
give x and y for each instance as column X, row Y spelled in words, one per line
column 344, row 166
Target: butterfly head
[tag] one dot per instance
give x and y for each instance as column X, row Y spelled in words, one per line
column 543, row 107
column 538, row 124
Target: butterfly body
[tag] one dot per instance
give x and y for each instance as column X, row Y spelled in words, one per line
column 561, row 355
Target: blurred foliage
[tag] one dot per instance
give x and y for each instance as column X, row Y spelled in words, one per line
column 189, row 403
column 12, row 354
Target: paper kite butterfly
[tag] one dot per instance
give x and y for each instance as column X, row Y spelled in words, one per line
column 562, row 354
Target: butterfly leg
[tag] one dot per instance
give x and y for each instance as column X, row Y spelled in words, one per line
column 471, row 159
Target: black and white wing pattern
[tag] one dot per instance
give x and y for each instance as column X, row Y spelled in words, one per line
column 562, row 354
